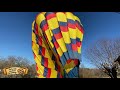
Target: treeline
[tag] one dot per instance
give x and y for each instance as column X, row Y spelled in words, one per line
column 13, row 61
column 91, row 73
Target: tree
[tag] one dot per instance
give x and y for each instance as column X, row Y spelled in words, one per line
column 103, row 55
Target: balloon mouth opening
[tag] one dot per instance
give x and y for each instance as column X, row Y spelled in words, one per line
column 71, row 63
column 76, row 61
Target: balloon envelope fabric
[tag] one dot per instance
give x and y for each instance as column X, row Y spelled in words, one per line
column 56, row 44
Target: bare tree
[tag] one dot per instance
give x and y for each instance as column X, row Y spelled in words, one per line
column 103, row 55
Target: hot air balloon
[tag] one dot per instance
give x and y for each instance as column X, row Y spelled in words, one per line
column 56, row 44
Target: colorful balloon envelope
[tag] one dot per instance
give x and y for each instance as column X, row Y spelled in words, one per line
column 56, row 44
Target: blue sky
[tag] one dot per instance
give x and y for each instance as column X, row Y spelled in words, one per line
column 15, row 34
column 98, row 25
column 15, row 31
